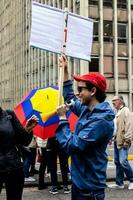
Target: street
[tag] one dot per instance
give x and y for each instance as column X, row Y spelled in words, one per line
column 33, row 193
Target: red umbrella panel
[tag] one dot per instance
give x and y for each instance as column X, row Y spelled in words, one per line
column 43, row 103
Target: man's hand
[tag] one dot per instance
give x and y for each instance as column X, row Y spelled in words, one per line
column 63, row 61
column 61, row 111
column 110, row 142
column 31, row 123
column 125, row 144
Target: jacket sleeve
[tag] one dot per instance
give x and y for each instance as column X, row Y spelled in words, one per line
column 68, row 94
column 90, row 136
column 128, row 126
column 22, row 136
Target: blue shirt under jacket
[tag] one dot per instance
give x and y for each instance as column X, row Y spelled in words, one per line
column 87, row 145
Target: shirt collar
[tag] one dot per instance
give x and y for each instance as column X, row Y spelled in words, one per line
column 122, row 106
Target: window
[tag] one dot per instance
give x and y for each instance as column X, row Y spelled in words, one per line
column 132, row 32
column 132, row 66
column 122, row 68
column 131, row 4
column 121, row 4
column 107, row 3
column 93, row 2
column 122, row 33
column 95, row 31
column 60, row 4
column 107, row 28
column 77, row 1
column 108, row 66
column 94, row 64
column 77, row 7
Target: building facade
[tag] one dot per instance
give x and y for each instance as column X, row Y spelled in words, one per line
column 23, row 68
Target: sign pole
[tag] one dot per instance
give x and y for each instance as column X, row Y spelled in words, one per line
column 61, row 69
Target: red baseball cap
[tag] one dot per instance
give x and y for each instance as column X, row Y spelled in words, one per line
column 95, row 78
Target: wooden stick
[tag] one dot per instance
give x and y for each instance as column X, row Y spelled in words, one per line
column 61, row 69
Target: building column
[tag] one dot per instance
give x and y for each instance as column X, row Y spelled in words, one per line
column 84, row 65
column 129, row 54
column 101, row 63
column 115, row 35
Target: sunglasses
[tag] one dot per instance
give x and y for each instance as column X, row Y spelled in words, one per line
column 80, row 88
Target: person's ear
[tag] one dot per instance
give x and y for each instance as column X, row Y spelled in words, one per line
column 93, row 91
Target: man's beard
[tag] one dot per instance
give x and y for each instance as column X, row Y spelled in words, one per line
column 85, row 102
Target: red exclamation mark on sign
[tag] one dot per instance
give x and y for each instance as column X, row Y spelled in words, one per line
column 65, row 31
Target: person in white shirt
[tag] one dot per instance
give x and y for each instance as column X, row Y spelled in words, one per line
column 41, row 144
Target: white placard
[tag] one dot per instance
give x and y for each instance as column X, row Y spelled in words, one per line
column 47, row 31
column 80, row 35
column 47, row 27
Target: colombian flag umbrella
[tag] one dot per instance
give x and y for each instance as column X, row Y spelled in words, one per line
column 43, row 103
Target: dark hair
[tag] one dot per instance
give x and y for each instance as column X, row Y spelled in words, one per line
column 100, row 95
column 121, row 98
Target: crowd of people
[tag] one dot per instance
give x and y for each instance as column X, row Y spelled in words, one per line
column 46, row 152
column 86, row 146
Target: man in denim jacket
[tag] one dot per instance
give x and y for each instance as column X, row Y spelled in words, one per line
column 94, row 129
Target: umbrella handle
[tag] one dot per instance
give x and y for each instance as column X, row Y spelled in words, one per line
column 46, row 116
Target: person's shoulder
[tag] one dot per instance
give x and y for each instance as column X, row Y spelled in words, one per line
column 3, row 112
column 124, row 112
column 125, row 109
column 9, row 111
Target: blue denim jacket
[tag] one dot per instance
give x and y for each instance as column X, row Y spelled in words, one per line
column 87, row 145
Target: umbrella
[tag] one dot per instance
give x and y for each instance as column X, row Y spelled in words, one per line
column 42, row 102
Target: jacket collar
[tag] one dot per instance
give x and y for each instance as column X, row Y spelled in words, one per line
column 122, row 106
